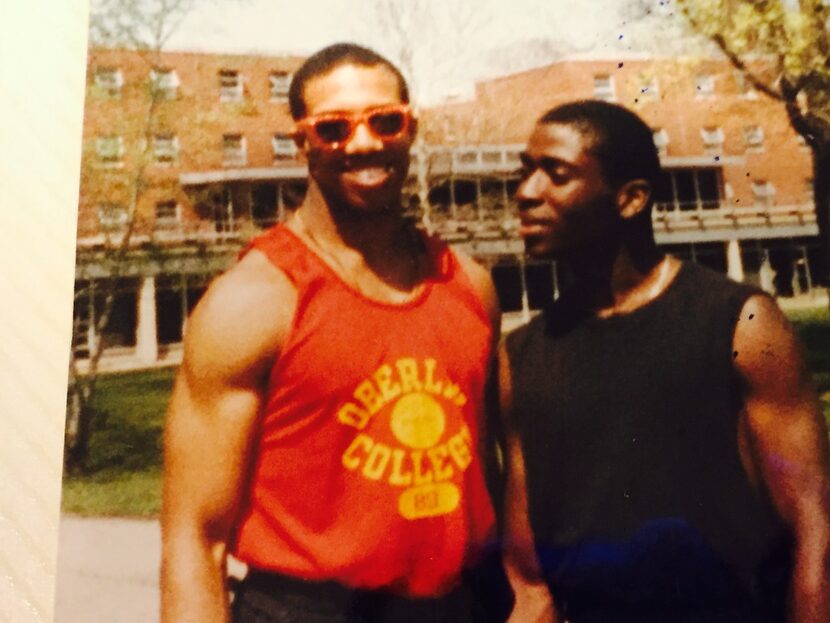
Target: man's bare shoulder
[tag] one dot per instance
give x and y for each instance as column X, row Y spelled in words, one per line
column 244, row 317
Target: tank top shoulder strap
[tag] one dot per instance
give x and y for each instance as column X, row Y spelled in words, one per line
column 289, row 254
column 450, row 270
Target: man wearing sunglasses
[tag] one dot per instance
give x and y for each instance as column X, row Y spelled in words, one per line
column 327, row 422
column 667, row 456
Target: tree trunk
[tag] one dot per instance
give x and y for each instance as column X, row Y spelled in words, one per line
column 78, row 426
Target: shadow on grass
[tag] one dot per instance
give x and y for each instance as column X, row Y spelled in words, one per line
column 129, row 421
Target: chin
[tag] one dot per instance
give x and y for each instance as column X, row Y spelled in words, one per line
column 541, row 249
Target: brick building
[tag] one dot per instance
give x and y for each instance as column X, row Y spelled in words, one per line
column 196, row 145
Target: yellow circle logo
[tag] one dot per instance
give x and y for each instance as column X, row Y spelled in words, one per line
column 418, row 421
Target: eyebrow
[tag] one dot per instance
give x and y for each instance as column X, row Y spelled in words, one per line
column 545, row 162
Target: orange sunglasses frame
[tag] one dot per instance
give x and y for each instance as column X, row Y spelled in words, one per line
column 308, row 125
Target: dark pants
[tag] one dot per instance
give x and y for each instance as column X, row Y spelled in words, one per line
column 273, row 598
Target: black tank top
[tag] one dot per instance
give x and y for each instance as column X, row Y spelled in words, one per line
column 638, row 500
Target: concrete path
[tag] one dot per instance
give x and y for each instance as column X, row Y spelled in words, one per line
column 107, row 571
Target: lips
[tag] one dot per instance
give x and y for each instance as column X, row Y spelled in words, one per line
column 533, row 227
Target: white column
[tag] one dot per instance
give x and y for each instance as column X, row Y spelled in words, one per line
column 146, row 335
column 734, row 263
column 766, row 275
column 525, row 298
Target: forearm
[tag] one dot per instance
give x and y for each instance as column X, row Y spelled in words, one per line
column 193, row 588
column 810, row 592
column 533, row 601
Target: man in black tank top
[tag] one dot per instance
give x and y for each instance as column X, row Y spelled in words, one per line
column 667, row 460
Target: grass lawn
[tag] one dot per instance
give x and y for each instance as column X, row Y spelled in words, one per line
column 125, row 452
column 124, row 476
column 814, row 329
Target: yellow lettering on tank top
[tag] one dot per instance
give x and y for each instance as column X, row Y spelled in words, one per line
column 399, row 478
column 377, row 461
column 388, row 389
column 350, row 458
column 408, row 373
column 459, row 446
column 352, row 415
column 430, row 384
column 429, row 500
column 438, row 456
column 417, row 454
column 367, row 394
column 420, row 477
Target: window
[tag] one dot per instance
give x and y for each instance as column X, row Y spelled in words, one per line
column 712, row 139
column 704, row 84
column 754, row 137
column 604, row 88
column 661, row 140
column 491, row 156
column 283, row 146
column 233, row 150
column 230, row 86
column 688, row 189
column 466, row 156
column 109, row 81
column 110, row 149
column 165, row 148
column 112, row 217
column 763, row 193
column 279, row 82
column 809, row 190
column 167, row 214
column 165, row 82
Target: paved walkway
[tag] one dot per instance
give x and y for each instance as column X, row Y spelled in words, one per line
column 107, row 571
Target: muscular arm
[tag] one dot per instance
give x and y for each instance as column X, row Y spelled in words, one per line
column 230, row 345
column 534, row 603
column 788, row 443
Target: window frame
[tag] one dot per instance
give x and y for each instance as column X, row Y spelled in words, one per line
column 228, row 92
column 241, row 157
column 278, row 91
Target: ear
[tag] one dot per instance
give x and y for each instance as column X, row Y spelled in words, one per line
column 413, row 128
column 299, row 138
column 633, row 198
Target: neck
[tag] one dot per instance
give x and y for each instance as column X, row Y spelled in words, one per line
column 622, row 278
column 370, row 233
column 377, row 253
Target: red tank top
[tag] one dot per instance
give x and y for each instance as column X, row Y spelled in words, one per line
column 366, row 470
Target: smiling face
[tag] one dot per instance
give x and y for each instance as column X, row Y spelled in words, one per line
column 566, row 207
column 364, row 173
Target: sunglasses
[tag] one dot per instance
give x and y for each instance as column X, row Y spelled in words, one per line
column 333, row 130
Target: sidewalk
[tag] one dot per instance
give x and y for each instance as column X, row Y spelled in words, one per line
column 107, row 571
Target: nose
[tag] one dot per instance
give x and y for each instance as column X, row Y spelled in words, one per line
column 529, row 192
column 363, row 140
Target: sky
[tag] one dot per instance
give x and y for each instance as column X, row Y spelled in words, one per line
column 454, row 42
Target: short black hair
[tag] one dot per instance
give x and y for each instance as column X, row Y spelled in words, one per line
column 329, row 58
column 621, row 141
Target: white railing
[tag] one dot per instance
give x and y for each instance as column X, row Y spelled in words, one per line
column 486, row 224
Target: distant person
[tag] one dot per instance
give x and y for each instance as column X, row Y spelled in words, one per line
column 326, row 425
column 667, row 458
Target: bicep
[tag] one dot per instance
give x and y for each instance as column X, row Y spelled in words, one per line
column 206, row 448
column 787, row 433
column 229, row 349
